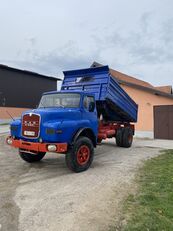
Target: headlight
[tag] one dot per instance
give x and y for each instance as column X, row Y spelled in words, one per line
column 9, row 141
column 51, row 148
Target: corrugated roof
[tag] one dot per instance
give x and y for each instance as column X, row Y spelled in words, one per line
column 2, row 66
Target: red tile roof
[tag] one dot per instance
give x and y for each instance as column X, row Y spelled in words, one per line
column 123, row 77
column 166, row 89
column 126, row 79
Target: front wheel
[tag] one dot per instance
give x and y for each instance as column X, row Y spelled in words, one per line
column 29, row 157
column 80, row 156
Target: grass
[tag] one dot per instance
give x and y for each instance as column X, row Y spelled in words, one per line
column 4, row 124
column 151, row 209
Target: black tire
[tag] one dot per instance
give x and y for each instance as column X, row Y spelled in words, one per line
column 127, row 138
column 28, row 157
column 119, row 137
column 74, row 157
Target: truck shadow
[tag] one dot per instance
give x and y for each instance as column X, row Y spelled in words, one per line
column 49, row 167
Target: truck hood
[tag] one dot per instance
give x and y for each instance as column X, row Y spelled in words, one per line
column 56, row 114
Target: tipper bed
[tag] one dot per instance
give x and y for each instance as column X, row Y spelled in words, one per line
column 113, row 103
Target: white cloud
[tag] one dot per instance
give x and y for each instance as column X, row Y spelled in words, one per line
column 134, row 36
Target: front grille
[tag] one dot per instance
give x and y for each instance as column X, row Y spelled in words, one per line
column 31, row 125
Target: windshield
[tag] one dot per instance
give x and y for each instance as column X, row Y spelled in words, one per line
column 64, row 100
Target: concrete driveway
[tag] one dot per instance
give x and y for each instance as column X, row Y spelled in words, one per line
column 47, row 196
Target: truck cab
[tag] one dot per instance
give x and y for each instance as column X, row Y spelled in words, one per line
column 64, row 122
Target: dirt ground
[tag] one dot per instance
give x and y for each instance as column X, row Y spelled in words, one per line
column 47, row 196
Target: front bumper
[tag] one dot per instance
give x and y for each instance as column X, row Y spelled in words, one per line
column 37, row 147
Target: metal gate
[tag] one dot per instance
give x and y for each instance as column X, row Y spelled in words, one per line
column 163, row 122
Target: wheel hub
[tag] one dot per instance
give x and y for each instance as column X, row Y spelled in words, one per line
column 83, row 155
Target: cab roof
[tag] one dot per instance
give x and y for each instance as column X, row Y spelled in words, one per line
column 68, row 91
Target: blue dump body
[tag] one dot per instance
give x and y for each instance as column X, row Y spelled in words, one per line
column 113, row 103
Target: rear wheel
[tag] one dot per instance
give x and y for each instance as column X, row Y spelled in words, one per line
column 28, row 157
column 127, row 137
column 80, row 156
column 119, row 137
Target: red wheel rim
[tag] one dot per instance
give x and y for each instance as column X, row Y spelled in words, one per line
column 83, row 155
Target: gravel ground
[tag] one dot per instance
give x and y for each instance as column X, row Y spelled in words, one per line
column 47, row 196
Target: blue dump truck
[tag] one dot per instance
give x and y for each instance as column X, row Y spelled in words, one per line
column 90, row 107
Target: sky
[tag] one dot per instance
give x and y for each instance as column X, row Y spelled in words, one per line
column 50, row 36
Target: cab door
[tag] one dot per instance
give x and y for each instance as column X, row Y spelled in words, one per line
column 90, row 112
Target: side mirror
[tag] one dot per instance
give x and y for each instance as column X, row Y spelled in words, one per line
column 91, row 106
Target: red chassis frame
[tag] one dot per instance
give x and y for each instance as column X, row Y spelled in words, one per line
column 109, row 129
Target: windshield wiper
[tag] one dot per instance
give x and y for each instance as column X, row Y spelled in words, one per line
column 61, row 105
column 42, row 104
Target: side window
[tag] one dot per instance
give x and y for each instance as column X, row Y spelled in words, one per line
column 87, row 100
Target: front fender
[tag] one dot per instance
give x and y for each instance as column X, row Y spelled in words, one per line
column 87, row 132
column 73, row 128
column 69, row 128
